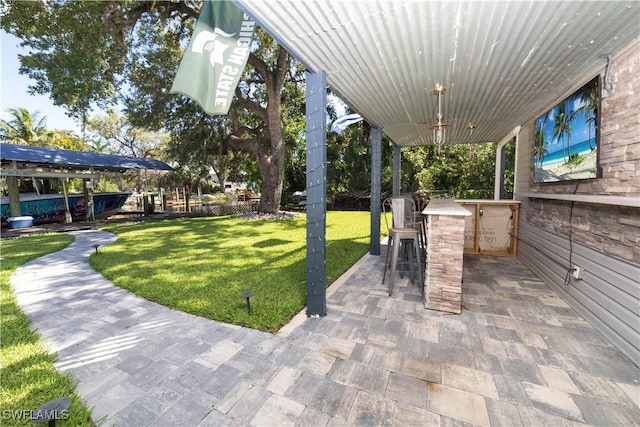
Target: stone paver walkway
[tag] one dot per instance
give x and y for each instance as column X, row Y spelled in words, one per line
column 516, row 356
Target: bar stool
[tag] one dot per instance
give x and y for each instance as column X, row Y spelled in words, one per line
column 401, row 235
column 415, row 219
column 419, row 221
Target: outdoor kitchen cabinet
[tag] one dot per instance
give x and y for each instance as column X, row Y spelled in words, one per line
column 492, row 228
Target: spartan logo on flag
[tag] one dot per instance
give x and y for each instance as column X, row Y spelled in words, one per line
column 216, row 56
column 206, row 41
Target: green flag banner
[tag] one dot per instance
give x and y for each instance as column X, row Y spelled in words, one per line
column 215, row 58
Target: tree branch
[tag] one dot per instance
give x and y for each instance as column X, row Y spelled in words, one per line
column 250, row 145
column 282, row 66
column 261, row 67
column 250, row 105
column 166, row 10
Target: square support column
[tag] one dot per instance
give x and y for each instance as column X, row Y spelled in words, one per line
column 397, row 156
column 376, row 189
column 316, row 117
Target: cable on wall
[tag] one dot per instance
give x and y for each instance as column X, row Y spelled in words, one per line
column 567, row 276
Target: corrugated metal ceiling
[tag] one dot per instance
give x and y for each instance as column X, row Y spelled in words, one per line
column 502, row 63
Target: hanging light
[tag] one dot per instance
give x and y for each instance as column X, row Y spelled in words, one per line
column 471, row 127
column 439, row 129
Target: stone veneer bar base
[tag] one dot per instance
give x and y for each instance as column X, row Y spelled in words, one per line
column 445, row 243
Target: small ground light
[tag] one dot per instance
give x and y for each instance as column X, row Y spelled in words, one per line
column 246, row 295
column 96, row 247
column 51, row 411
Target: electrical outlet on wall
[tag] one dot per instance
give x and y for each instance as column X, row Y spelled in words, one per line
column 577, row 272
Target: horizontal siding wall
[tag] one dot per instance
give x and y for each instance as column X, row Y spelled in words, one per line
column 609, row 294
column 603, row 239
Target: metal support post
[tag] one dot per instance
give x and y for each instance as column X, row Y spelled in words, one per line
column 376, row 189
column 397, row 156
column 316, row 116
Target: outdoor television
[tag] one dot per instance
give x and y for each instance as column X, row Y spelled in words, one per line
column 567, row 137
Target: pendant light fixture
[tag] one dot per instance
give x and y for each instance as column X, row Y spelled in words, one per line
column 471, row 127
column 439, row 129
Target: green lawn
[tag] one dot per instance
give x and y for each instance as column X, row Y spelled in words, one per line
column 202, row 265
column 197, row 265
column 27, row 375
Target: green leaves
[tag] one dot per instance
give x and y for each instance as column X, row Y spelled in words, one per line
column 74, row 56
column 459, row 171
column 30, row 129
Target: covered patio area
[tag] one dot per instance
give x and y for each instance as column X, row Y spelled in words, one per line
column 460, row 72
column 517, row 355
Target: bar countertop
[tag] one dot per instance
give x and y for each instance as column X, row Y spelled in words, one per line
column 445, row 207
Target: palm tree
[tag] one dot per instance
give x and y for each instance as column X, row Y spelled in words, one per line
column 562, row 126
column 539, row 145
column 30, row 129
column 99, row 146
column 66, row 139
column 588, row 97
column 25, row 128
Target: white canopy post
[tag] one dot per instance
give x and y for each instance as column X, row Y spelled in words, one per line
column 499, row 176
column 14, row 192
column 67, row 213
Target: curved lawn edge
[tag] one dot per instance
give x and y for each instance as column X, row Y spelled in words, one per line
column 202, row 265
column 28, row 376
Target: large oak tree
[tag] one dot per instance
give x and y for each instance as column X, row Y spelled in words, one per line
column 86, row 54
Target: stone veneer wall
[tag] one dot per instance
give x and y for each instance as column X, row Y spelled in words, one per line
column 445, row 243
column 600, row 237
column 611, row 229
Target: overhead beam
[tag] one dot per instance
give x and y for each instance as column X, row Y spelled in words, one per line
column 37, row 174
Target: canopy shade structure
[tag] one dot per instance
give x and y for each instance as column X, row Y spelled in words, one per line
column 502, row 63
column 30, row 157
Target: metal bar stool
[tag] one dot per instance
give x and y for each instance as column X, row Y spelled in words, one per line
column 401, row 234
column 419, row 222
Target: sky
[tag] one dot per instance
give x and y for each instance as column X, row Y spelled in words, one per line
column 14, row 94
column 13, row 90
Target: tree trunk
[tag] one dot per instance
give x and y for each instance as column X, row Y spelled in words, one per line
column 270, row 157
column 272, row 170
column 272, row 165
column 222, row 179
column 271, row 189
column 270, row 154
